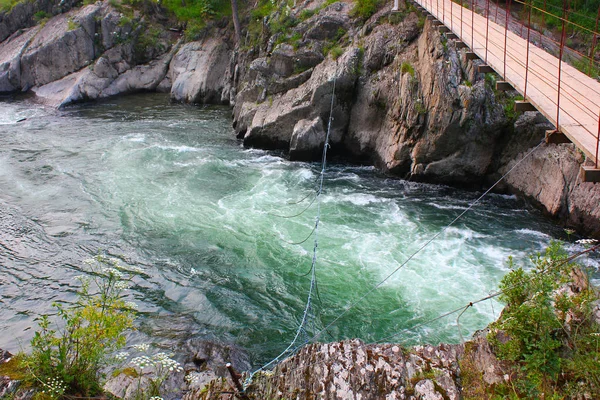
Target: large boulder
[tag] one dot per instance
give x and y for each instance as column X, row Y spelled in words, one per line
column 64, row 45
column 201, row 72
column 23, row 14
column 11, row 52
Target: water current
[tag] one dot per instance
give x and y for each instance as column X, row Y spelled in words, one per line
column 168, row 188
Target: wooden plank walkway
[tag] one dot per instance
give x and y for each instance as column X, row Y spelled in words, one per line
column 579, row 117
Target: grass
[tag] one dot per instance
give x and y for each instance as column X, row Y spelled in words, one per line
column 407, row 67
column 336, row 52
column 7, row 5
column 72, row 25
column 365, row 8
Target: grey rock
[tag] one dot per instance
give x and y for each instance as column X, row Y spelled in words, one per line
column 282, row 60
column 308, row 138
column 21, row 15
column 10, row 60
column 425, row 390
column 201, row 72
column 57, row 51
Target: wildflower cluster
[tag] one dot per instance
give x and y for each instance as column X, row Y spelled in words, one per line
column 165, row 362
column 587, row 242
column 68, row 360
column 54, row 387
column 144, row 347
column 156, row 368
column 162, row 362
column 192, row 378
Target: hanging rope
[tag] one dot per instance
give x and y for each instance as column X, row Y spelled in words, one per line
column 413, row 255
column 313, row 280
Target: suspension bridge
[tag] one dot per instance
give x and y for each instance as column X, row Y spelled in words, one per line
column 567, row 97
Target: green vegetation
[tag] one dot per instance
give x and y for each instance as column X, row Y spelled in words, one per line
column 365, row 8
column 553, row 342
column 66, row 360
column 336, row 52
column 72, row 25
column 407, row 67
column 41, row 16
column 7, row 5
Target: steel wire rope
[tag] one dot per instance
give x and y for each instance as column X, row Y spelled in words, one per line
column 584, row 56
column 295, row 215
column 313, row 281
column 414, row 254
column 543, row 65
column 575, row 100
column 544, row 78
column 488, row 297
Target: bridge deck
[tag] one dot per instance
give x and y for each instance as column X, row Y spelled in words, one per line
column 579, row 117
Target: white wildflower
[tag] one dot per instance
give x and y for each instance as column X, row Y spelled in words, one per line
column 192, row 378
column 121, row 356
column 122, row 285
column 141, row 347
column 131, row 305
column 141, row 362
column 112, row 272
column 590, row 242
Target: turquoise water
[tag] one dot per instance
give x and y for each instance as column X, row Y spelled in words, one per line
column 168, row 188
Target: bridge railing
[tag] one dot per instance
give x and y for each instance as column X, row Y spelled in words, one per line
column 526, row 68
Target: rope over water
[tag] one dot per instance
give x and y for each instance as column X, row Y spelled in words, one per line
column 313, row 279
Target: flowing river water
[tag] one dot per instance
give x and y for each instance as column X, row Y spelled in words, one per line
column 168, row 188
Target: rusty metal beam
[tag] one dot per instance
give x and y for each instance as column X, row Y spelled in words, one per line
column 504, row 86
column 590, row 174
column 556, row 137
column 485, row 69
column 522, row 106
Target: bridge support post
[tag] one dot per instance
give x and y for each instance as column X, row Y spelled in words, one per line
column 485, row 69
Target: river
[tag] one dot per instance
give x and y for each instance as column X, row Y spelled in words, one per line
column 168, row 188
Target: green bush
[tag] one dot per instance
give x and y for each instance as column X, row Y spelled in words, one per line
column 7, row 5
column 336, row 52
column 407, row 67
column 365, row 8
column 553, row 345
column 41, row 16
column 66, row 356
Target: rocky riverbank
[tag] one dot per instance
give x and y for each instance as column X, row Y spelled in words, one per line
column 406, row 99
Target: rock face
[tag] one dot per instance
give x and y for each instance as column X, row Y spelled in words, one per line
column 202, row 363
column 96, row 52
column 22, row 15
column 353, row 370
column 200, row 72
column 405, row 98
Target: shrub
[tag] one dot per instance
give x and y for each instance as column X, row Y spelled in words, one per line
column 67, row 359
column 7, row 5
column 41, row 16
column 336, row 52
column 553, row 346
column 365, row 8
column 72, row 25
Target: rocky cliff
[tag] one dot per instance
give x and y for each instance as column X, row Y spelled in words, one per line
column 405, row 99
